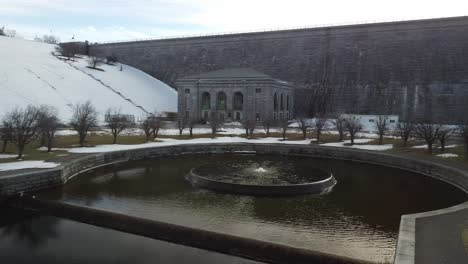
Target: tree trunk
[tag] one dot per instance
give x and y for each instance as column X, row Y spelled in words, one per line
column 341, row 135
column 180, row 132
column 213, row 132
column 114, row 140
column 405, row 141
column 49, row 144
column 442, row 145
column 352, row 138
column 246, row 133
column 380, row 139
column 304, row 133
column 429, row 147
column 318, row 137
column 268, row 132
column 191, row 132
column 20, row 151
column 5, row 144
column 148, row 137
column 82, row 139
column 284, row 134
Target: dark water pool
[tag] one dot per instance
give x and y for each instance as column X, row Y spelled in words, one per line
column 358, row 219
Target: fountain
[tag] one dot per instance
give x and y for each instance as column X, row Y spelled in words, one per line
column 257, row 179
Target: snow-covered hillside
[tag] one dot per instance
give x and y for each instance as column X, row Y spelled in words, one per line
column 30, row 74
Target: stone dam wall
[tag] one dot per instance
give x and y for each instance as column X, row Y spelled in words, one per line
column 416, row 69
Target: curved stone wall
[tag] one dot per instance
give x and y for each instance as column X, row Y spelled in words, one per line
column 24, row 182
column 319, row 187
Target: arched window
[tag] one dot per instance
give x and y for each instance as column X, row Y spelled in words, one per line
column 206, row 101
column 287, row 102
column 221, row 102
column 238, row 101
column 282, row 102
column 275, row 102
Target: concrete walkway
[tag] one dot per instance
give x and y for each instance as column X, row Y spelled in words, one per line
column 439, row 238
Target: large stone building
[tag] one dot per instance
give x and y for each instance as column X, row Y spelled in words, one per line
column 235, row 94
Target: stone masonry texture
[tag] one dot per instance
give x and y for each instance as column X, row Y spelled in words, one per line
column 417, row 69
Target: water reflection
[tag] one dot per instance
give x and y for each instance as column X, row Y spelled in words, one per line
column 27, row 228
column 30, row 238
column 358, row 219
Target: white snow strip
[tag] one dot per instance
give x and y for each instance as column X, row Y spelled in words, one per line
column 33, row 164
column 7, row 156
column 448, row 155
column 358, row 141
column 30, row 74
column 172, row 142
column 425, row 146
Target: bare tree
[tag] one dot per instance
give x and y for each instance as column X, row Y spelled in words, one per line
column 319, row 124
column 284, row 125
column 353, row 126
column 215, row 122
column 111, row 59
column 429, row 132
column 116, row 122
column 181, row 123
column 5, row 138
column 249, row 125
column 48, row 125
column 192, row 122
column 156, row 125
column 2, row 31
column 404, row 130
column 83, row 120
column 267, row 124
column 444, row 134
column 463, row 131
column 94, row 62
column 340, row 125
column 22, row 127
column 51, row 39
column 68, row 50
column 303, row 124
column 146, row 127
column 381, row 125
column 151, row 126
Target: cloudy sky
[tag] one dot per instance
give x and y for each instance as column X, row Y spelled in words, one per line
column 108, row 20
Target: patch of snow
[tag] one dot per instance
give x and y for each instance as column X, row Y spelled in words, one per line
column 448, row 155
column 66, row 132
column 53, row 149
column 30, row 74
column 172, row 142
column 33, row 164
column 425, row 146
column 357, row 146
column 7, row 156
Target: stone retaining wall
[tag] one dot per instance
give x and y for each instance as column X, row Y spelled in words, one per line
column 24, row 182
column 319, row 187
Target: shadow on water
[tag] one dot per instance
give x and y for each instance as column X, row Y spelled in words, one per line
column 26, row 227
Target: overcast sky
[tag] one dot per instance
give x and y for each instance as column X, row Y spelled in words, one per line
column 108, row 20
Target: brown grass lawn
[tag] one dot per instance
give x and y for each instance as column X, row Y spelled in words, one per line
column 32, row 153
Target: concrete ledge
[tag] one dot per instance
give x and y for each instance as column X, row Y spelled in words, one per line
column 228, row 244
column 319, row 187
